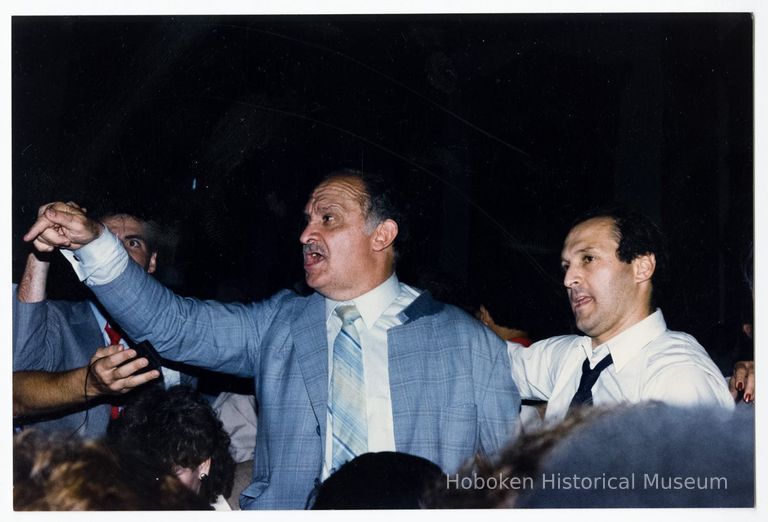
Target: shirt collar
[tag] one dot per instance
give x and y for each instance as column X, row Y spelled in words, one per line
column 372, row 303
column 625, row 346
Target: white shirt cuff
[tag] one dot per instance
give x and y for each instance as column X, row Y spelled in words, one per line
column 100, row 261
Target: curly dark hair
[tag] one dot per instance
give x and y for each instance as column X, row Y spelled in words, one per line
column 177, row 427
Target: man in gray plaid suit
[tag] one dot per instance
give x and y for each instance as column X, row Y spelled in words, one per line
column 433, row 381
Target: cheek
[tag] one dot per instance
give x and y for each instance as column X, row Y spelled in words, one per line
column 612, row 288
column 139, row 257
column 600, row 284
column 189, row 478
column 348, row 249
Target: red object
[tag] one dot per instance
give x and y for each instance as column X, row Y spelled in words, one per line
column 521, row 340
column 114, row 338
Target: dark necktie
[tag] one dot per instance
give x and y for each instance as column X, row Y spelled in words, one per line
column 583, row 396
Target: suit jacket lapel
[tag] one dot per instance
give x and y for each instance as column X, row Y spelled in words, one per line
column 83, row 316
column 405, row 342
column 310, row 342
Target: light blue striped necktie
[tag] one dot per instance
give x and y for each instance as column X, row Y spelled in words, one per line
column 346, row 401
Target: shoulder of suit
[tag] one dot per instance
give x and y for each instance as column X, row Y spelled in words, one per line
column 559, row 342
column 73, row 310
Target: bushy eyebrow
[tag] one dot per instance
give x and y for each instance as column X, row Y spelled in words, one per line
column 136, row 236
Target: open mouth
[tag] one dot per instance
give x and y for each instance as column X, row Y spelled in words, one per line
column 313, row 255
column 312, row 258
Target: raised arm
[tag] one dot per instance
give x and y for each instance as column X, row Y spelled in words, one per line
column 32, row 288
column 222, row 337
column 39, row 344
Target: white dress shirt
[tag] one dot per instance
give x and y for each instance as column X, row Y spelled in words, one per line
column 379, row 310
column 100, row 261
column 649, row 363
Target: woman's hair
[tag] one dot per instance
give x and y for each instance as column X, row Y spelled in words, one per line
column 177, row 427
column 54, row 472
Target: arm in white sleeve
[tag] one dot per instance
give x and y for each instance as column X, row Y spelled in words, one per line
column 100, row 261
column 687, row 386
column 532, row 369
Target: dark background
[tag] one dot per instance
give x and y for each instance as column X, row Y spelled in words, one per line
column 500, row 129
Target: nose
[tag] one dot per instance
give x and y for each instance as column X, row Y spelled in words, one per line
column 307, row 235
column 571, row 277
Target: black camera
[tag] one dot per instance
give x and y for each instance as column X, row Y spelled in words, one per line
column 145, row 349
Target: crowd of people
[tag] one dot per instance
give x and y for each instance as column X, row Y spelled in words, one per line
column 371, row 393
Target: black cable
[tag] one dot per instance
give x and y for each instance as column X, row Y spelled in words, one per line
column 85, row 396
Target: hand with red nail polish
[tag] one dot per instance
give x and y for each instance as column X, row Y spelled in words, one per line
column 743, row 380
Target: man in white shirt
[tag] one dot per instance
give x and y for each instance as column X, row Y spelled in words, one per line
column 609, row 259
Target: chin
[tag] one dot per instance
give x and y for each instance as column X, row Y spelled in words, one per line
column 584, row 328
column 320, row 288
column 313, row 281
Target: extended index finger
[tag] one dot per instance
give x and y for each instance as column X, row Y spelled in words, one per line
column 50, row 214
column 61, row 225
column 38, row 227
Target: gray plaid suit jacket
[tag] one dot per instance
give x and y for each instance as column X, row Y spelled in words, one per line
column 55, row 336
column 450, row 381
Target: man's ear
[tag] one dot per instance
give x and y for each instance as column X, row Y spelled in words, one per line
column 384, row 235
column 152, row 263
column 645, row 266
